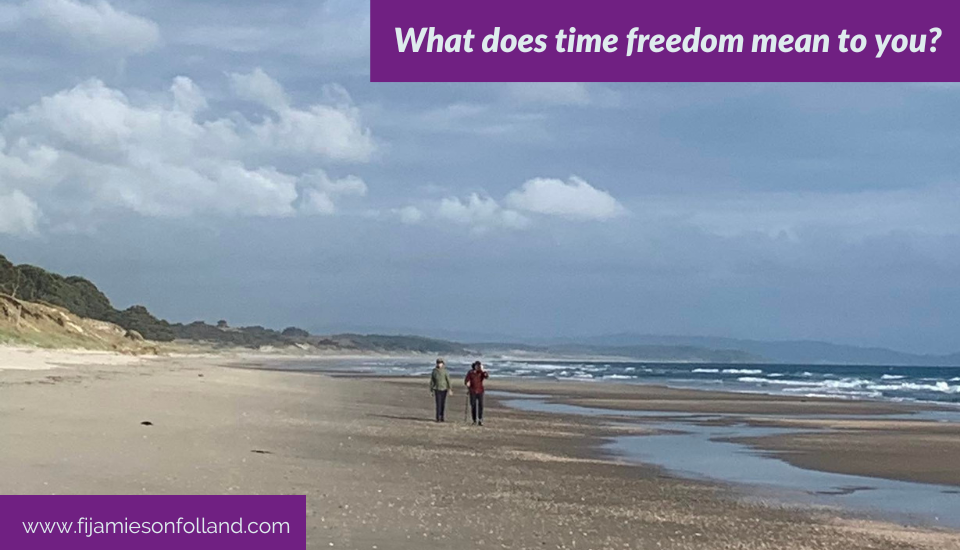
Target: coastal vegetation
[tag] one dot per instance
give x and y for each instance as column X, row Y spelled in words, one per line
column 79, row 297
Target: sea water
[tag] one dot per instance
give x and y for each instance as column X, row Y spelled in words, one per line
column 927, row 384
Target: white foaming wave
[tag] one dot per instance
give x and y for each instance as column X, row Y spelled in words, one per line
column 957, row 379
column 892, row 377
column 706, row 371
column 852, row 386
column 755, row 380
column 776, row 375
column 549, row 366
column 617, row 377
column 546, row 369
column 742, row 371
column 940, row 386
column 848, row 393
column 846, row 383
column 858, row 395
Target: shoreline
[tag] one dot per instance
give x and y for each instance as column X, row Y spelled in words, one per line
column 872, row 445
column 901, row 449
column 900, row 458
column 774, row 386
column 377, row 471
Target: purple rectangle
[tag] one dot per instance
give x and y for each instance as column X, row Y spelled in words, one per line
column 153, row 522
column 617, row 17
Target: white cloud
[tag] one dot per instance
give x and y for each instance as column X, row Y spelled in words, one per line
column 575, row 199
column 481, row 213
column 19, row 215
column 409, row 215
column 187, row 97
column 258, row 86
column 332, row 130
column 94, row 26
column 92, row 148
column 319, row 192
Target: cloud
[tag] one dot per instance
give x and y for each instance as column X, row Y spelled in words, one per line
column 332, row 130
column 574, row 199
column 96, row 26
column 92, row 148
column 319, row 191
column 259, row 87
column 19, row 215
column 409, row 215
column 481, row 213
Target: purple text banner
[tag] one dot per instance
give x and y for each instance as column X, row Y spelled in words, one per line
column 153, row 522
column 643, row 41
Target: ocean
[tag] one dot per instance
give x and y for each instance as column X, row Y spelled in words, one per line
column 921, row 384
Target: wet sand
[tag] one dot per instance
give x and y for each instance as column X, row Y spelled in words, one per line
column 925, row 452
column 378, row 473
column 905, row 448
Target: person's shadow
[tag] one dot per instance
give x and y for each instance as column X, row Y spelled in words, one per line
column 397, row 417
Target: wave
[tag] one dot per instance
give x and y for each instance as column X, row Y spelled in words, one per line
column 859, row 386
column 617, row 377
column 742, row 371
column 705, row 371
column 892, row 377
column 940, row 386
column 755, row 380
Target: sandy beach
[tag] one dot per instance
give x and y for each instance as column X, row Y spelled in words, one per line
column 378, row 473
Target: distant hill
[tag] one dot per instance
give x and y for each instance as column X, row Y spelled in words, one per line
column 661, row 353
column 797, row 351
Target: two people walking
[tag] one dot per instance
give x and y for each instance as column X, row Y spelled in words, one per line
column 441, row 387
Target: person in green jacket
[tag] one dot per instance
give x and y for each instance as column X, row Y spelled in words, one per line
column 440, row 386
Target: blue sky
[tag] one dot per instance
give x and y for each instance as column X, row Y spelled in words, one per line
column 231, row 160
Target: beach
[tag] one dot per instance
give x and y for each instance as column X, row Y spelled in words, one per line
column 379, row 473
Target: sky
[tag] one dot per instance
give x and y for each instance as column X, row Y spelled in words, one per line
column 231, row 160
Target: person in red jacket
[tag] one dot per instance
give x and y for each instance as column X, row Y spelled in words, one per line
column 474, row 381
